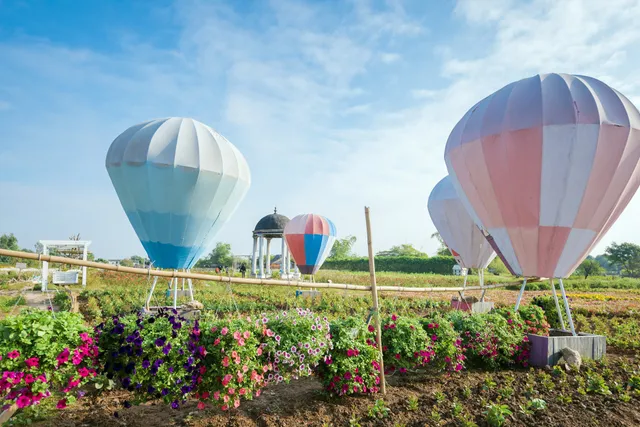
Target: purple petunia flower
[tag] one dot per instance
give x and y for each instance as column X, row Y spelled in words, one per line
column 174, row 404
column 160, row 342
column 146, row 363
column 164, row 391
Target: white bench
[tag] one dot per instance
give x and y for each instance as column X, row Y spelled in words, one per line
column 65, row 277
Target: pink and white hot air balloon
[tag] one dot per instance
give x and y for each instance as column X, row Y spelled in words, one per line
column 461, row 235
column 545, row 166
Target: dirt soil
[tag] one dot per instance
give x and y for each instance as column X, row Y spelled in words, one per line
column 302, row 403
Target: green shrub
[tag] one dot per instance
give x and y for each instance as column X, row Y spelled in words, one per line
column 353, row 364
column 151, row 356
column 405, row 344
column 406, row 264
column 302, row 340
column 44, row 354
column 233, row 366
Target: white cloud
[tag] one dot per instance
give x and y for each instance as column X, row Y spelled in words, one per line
column 424, row 93
column 482, row 12
column 4, row 105
column 357, row 109
column 389, row 58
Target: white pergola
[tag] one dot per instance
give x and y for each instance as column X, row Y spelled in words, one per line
column 63, row 246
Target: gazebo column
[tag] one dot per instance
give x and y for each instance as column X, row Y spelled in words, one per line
column 283, row 257
column 287, row 255
column 268, row 257
column 295, row 268
column 254, row 254
column 45, row 270
column 261, row 256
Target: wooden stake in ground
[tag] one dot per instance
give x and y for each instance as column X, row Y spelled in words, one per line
column 374, row 294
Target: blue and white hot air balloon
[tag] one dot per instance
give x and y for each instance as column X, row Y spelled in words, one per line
column 179, row 181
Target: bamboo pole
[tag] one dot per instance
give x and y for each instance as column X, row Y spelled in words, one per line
column 237, row 280
column 442, row 289
column 177, row 274
column 374, row 295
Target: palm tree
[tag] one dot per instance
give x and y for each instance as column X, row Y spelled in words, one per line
column 437, row 235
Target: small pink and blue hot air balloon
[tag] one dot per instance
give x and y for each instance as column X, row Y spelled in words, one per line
column 310, row 238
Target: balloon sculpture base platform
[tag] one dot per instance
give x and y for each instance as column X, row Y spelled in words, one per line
column 185, row 311
column 548, row 350
column 471, row 304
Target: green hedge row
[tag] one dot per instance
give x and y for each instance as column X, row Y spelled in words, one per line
column 405, row 264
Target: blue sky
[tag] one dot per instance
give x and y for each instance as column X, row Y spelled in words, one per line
column 335, row 104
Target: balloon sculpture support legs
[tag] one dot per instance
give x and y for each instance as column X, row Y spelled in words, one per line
column 173, row 283
column 524, row 285
column 555, row 297
column 567, row 309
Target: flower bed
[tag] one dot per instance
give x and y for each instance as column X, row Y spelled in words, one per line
column 226, row 361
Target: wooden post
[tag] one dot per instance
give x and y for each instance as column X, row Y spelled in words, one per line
column 374, row 294
column 7, row 414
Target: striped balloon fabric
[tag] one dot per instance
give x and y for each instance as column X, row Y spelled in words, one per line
column 310, row 238
column 178, row 181
column 461, row 235
column 545, row 166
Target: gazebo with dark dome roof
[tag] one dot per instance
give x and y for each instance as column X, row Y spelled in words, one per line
column 269, row 227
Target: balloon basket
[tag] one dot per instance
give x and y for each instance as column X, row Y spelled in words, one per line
column 471, row 304
column 547, row 350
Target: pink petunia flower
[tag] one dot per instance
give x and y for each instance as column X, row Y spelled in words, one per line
column 32, row 362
